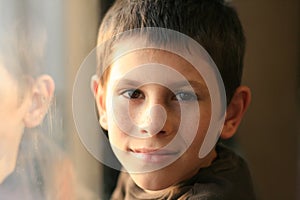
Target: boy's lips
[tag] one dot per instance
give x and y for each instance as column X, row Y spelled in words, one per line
column 153, row 155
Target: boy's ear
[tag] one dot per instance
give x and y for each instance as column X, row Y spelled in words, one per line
column 41, row 94
column 235, row 111
column 99, row 96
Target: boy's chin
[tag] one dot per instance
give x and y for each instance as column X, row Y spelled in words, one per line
column 152, row 181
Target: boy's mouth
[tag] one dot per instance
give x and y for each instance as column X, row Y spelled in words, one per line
column 153, row 155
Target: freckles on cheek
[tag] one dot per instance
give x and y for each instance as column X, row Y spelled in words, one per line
column 120, row 122
column 117, row 137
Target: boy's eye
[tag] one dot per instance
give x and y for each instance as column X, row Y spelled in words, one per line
column 186, row 96
column 132, row 94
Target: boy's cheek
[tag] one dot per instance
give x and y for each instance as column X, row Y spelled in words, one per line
column 119, row 123
column 116, row 136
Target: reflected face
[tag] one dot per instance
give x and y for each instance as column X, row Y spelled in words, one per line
column 158, row 110
column 12, row 111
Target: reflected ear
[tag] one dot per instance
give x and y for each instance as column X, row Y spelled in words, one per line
column 235, row 111
column 99, row 96
column 41, row 95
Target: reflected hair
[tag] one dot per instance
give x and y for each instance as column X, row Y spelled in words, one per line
column 21, row 50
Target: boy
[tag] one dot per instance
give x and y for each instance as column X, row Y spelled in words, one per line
column 158, row 106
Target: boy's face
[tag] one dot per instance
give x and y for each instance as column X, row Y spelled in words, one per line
column 156, row 121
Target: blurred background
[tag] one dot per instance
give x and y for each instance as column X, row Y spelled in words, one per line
column 269, row 135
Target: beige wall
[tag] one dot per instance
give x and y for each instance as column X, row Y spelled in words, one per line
column 268, row 135
column 81, row 22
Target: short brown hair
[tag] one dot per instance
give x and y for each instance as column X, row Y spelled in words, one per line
column 212, row 23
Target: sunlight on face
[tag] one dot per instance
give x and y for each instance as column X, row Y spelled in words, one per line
column 151, row 115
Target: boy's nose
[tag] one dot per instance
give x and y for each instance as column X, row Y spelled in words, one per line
column 153, row 120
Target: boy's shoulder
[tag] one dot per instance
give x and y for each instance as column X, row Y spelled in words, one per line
column 228, row 177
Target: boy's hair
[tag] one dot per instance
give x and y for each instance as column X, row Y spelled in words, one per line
column 212, row 23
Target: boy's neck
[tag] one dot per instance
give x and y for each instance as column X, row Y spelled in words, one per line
column 206, row 162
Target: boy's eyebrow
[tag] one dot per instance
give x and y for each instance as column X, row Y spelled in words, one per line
column 193, row 83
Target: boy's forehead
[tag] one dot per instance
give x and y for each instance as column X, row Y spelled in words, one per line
column 154, row 66
column 154, row 42
column 151, row 55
